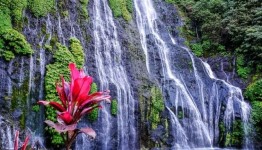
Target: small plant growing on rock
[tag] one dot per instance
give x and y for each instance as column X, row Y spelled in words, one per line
column 75, row 103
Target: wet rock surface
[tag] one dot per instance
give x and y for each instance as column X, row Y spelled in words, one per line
column 24, row 69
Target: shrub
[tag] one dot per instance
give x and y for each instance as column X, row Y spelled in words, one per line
column 41, row 8
column 242, row 69
column 254, row 91
column 197, row 49
column 122, row 8
column 5, row 18
column 12, row 42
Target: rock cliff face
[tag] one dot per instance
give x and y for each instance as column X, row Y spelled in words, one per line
column 166, row 96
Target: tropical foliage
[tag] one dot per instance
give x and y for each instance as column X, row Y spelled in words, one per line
column 254, row 94
column 75, row 102
column 61, row 56
column 226, row 28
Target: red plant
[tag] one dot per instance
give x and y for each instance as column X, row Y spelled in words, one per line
column 75, row 102
column 17, row 140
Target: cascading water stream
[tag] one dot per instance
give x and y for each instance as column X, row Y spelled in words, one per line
column 6, row 135
column 235, row 97
column 111, row 72
column 200, row 129
column 21, row 72
column 147, row 25
column 9, row 85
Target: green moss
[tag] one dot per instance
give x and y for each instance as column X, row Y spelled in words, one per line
column 114, row 107
column 12, row 11
column 41, row 8
column 17, row 8
column 23, row 119
column 16, row 41
column 93, row 88
column 65, row 14
column 93, row 115
column 180, row 114
column 5, row 18
column 12, row 42
column 54, row 40
column 36, row 108
column 19, row 101
column 8, row 55
column 156, row 107
column 48, row 48
column 77, row 51
column 83, row 9
column 115, row 6
column 122, row 8
column 62, row 57
column 129, row 5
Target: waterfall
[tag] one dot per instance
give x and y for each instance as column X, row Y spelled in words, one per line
column 200, row 102
column 235, row 98
column 9, row 85
column 6, row 135
column 108, row 56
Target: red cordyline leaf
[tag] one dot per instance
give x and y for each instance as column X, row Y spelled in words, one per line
column 16, row 140
column 88, row 131
column 82, row 88
column 66, row 117
column 95, row 98
column 74, row 72
column 61, row 127
column 25, row 143
column 87, row 110
column 56, row 105
column 62, row 95
column 75, row 101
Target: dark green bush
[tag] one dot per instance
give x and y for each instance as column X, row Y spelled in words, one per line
column 12, row 42
column 41, row 8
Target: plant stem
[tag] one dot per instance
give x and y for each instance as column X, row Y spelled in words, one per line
column 71, row 139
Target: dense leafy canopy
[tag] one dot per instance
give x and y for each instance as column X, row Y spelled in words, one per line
column 226, row 27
